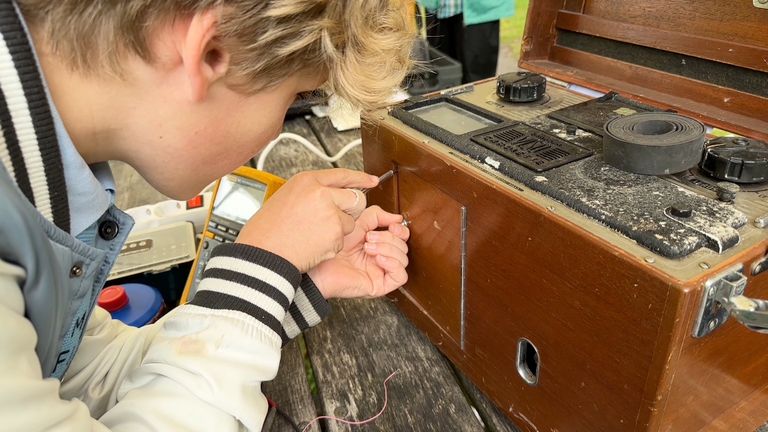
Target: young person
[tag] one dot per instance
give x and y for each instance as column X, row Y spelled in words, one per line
column 185, row 91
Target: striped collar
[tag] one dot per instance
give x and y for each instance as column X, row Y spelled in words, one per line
column 29, row 149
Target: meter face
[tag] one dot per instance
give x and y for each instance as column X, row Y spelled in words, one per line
column 238, row 198
column 452, row 118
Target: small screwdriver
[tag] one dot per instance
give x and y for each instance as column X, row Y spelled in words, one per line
column 384, row 177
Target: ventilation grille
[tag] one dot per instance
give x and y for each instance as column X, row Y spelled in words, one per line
column 530, row 147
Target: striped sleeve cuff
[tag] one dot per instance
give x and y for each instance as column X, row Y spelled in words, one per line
column 309, row 307
column 251, row 281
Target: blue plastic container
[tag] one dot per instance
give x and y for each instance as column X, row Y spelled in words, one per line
column 134, row 304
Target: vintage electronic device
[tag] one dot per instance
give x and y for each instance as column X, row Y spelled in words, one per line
column 568, row 253
column 236, row 198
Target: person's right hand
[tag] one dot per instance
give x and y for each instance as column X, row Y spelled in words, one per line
column 306, row 220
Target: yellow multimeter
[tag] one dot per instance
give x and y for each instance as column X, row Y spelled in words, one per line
column 236, row 197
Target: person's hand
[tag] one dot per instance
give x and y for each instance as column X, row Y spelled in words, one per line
column 306, row 220
column 372, row 263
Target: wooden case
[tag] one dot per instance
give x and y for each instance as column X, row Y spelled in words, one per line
column 495, row 264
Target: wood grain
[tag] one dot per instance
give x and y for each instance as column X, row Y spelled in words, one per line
column 727, row 32
column 290, row 390
column 355, row 350
column 613, row 333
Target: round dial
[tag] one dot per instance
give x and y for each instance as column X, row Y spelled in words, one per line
column 521, row 87
column 737, row 160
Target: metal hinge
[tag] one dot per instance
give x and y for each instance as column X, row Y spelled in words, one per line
column 724, row 297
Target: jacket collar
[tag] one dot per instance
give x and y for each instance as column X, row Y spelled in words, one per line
column 29, row 149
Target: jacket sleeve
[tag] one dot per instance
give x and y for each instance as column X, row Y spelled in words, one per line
column 199, row 368
column 309, row 307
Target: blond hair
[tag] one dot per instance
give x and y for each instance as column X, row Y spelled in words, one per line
column 362, row 45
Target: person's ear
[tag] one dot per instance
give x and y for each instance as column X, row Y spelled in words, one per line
column 205, row 61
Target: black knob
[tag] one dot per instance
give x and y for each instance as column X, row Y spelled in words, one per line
column 738, row 160
column 521, row 87
column 727, row 191
column 681, row 210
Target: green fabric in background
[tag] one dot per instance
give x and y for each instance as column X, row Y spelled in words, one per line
column 476, row 11
column 511, row 29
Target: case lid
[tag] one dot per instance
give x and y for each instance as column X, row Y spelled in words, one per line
column 707, row 59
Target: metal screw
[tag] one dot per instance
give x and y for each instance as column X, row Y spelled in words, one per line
column 762, row 221
column 650, row 260
column 704, row 265
column 762, row 1
column 551, row 208
column 712, row 324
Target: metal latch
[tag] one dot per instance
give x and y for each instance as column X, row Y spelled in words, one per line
column 724, row 297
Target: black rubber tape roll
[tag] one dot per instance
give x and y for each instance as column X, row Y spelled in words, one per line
column 654, row 143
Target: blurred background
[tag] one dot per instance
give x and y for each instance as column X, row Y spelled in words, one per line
column 511, row 36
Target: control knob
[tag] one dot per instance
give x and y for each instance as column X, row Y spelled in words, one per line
column 737, row 160
column 521, row 87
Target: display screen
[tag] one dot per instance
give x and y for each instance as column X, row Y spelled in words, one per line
column 238, row 198
column 452, row 118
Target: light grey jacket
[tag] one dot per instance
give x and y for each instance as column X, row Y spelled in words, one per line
column 65, row 365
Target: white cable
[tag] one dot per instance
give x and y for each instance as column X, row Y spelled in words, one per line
column 308, row 145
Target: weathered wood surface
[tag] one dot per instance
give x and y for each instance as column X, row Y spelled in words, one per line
column 291, row 390
column 289, row 157
column 492, row 417
column 359, row 346
column 334, row 141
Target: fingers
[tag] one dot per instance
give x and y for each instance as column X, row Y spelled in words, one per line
column 400, row 231
column 374, row 217
column 387, row 251
column 386, row 237
column 395, row 274
column 344, row 178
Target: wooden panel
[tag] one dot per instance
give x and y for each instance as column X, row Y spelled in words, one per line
column 727, row 366
column 613, row 333
column 736, row 29
column 732, row 52
column 536, row 275
column 354, row 351
column 736, row 20
column 539, row 33
column 434, row 272
column 290, row 390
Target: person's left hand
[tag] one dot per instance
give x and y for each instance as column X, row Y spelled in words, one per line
column 371, row 263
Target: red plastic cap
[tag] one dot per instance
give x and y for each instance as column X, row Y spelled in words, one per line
column 113, row 298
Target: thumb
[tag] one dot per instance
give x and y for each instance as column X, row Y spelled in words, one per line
column 350, row 201
column 375, row 217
